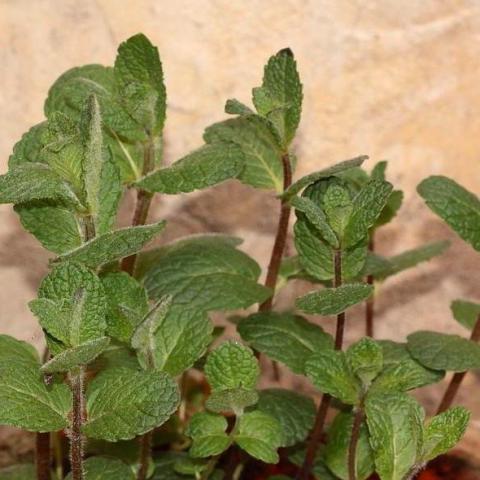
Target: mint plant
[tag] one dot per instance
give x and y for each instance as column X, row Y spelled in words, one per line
column 135, row 373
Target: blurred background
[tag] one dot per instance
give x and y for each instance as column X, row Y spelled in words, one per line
column 394, row 80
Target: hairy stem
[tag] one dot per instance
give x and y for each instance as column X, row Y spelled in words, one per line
column 77, row 441
column 458, row 377
column 370, row 303
column 42, row 456
column 144, row 200
column 145, row 453
column 317, row 432
column 352, row 447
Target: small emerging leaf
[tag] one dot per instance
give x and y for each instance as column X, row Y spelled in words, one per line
column 365, row 358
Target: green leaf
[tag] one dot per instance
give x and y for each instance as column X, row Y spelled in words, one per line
column 458, row 207
column 122, row 403
column 207, row 431
column 316, row 217
column 207, row 166
column 443, row 432
column 29, row 147
column 13, row 350
column 365, row 358
column 235, row 107
column 280, row 97
column 395, row 424
column 114, row 245
column 284, row 337
column 332, row 301
column 139, row 80
column 73, row 357
column 466, row 313
column 295, row 412
column 232, row 365
column 35, row 181
column 233, row 400
column 18, row 472
column 444, row 352
column 262, row 154
column 337, row 448
column 330, row 372
column 260, row 435
column 367, row 207
column 205, row 272
column 105, row 468
column 310, row 179
column 391, row 208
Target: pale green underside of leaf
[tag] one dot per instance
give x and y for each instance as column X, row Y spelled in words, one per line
column 284, row 337
column 207, row 431
column 444, row 352
column 106, row 468
column 466, row 313
column 203, row 272
column 114, row 245
column 233, row 400
column 207, row 166
column 458, row 207
column 332, row 301
column 122, row 404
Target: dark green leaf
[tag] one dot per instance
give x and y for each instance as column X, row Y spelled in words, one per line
column 207, row 431
column 466, row 313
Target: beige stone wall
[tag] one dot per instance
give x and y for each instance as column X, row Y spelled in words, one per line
column 393, row 79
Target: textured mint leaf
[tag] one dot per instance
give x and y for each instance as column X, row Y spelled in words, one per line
column 458, row 207
column 365, row 358
column 295, row 412
column 233, row 400
column 330, row 372
column 444, row 352
column 207, row 166
column 332, row 301
column 127, row 304
column 77, row 356
column 122, row 403
column 29, row 147
column 35, row 181
column 336, row 202
column 116, row 355
column 114, row 245
column 316, row 217
column 13, row 350
column 336, row 450
column 304, row 182
column 262, row 154
column 235, row 107
column 54, row 317
column 18, row 472
column 395, row 424
column 466, row 313
column 390, row 209
column 367, row 207
column 207, row 431
column 105, row 468
column 260, row 435
column 204, row 272
column 280, row 97
column 232, row 365
column 139, row 81
column 443, row 432
column 284, row 337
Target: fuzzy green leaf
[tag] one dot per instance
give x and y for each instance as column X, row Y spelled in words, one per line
column 444, row 352
column 284, row 337
column 295, row 412
column 365, row 358
column 233, row 400
column 207, row 166
column 330, row 372
column 122, row 403
column 235, row 107
column 332, row 301
column 336, row 451
column 458, row 207
column 466, row 313
column 205, row 272
column 207, row 431
column 395, row 424
column 106, row 468
column 391, row 208
column 29, row 147
column 13, row 350
column 280, row 97
column 139, row 80
column 260, row 435
column 114, row 245
column 232, row 365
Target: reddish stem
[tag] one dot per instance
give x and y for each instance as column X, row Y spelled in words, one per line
column 42, row 456
column 77, row 440
column 145, row 452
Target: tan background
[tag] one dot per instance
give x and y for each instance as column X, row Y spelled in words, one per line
column 393, row 79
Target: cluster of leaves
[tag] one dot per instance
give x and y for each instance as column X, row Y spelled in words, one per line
column 120, row 342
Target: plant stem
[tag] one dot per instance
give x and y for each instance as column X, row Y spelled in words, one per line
column 316, row 435
column 77, row 442
column 352, row 447
column 144, row 200
column 42, row 456
column 145, row 452
column 212, row 463
column 458, row 377
column 370, row 303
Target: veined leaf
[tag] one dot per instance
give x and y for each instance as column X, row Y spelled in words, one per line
column 365, row 358
column 466, row 313
column 13, row 350
column 284, row 337
column 233, row 400
column 105, row 468
column 207, row 431
column 29, row 148
column 458, row 207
